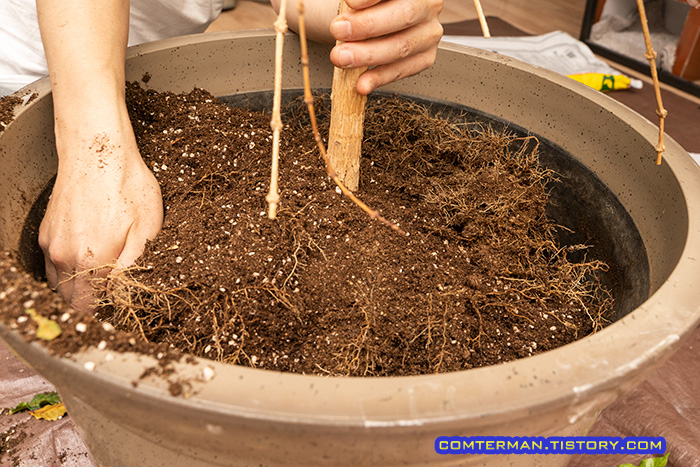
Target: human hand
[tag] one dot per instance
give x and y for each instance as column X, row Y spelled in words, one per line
column 105, row 204
column 397, row 38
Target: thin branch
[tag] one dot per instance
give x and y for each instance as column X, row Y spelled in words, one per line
column 273, row 197
column 651, row 56
column 309, row 100
column 482, row 19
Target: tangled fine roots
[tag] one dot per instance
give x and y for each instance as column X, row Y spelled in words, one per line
column 322, row 290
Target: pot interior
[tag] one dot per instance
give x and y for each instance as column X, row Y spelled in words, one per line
column 585, row 209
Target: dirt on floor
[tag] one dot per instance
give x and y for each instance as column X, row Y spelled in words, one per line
column 9, row 442
column 478, row 280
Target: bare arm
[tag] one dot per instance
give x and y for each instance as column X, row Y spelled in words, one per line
column 105, row 203
column 398, row 38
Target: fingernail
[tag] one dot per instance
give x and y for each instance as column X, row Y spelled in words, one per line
column 341, row 30
column 345, row 58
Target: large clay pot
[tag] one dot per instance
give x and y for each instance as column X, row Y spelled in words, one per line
column 252, row 417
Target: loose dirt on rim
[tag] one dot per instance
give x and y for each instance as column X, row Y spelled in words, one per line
column 7, row 112
column 323, row 290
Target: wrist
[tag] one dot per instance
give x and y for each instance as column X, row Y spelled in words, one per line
column 104, row 147
column 87, row 126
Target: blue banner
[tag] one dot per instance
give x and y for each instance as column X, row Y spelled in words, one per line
column 550, row 445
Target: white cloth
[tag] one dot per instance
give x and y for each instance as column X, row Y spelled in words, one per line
column 22, row 54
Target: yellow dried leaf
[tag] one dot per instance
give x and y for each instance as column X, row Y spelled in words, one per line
column 49, row 412
column 46, row 328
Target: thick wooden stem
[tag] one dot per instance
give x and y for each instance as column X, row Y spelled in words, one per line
column 347, row 118
column 273, row 197
column 651, row 56
column 482, row 19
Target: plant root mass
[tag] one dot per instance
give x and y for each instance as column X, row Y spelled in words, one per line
column 478, row 280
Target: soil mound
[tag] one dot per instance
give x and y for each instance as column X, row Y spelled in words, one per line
column 479, row 279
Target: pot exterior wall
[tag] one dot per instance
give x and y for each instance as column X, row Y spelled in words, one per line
column 125, row 427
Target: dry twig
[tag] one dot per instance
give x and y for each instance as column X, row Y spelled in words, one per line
column 651, row 56
column 482, row 19
column 273, row 197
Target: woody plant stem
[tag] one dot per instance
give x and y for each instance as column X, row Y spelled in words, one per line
column 273, row 197
column 482, row 19
column 651, row 56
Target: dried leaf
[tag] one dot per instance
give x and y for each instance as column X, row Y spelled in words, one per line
column 49, row 412
column 47, row 329
column 38, row 401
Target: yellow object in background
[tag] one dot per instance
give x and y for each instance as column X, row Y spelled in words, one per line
column 605, row 83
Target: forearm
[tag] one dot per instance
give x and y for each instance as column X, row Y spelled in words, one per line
column 85, row 43
column 105, row 202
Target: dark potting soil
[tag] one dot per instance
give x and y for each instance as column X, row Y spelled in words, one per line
column 22, row 295
column 478, row 280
